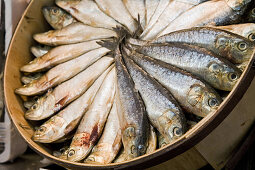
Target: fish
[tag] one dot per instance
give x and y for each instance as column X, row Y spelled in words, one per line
column 57, row 17
column 172, row 11
column 61, row 73
column 131, row 111
column 40, row 50
column 61, row 153
column 208, row 13
column 92, row 124
column 246, row 30
column 216, row 71
column 87, row 12
column 150, row 7
column 231, row 46
column 191, row 124
column 163, row 111
column 152, row 144
column 137, row 9
column 29, row 78
column 121, row 157
column 109, row 143
column 162, row 141
column 251, row 15
column 74, row 33
column 117, row 10
column 193, row 95
column 65, row 93
column 64, row 122
column 58, row 55
column 30, row 102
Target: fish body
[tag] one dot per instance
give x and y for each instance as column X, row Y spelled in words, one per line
column 163, row 110
column 231, row 46
column 28, row 79
column 110, row 142
column 61, row 73
column 208, row 13
column 74, row 33
column 92, row 124
column 55, row 100
column 193, row 95
column 150, row 7
column 152, row 144
column 57, row 17
column 117, row 10
column 162, row 141
column 87, row 12
column 216, row 71
column 131, row 112
column 68, row 119
column 59, row 55
column 39, row 50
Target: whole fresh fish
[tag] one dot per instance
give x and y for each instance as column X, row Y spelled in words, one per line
column 163, row 110
column 136, row 8
column 231, row 46
column 158, row 11
column 68, row 91
column 131, row 112
column 74, row 33
column 218, row 72
column 246, row 30
column 117, row 10
column 40, row 50
column 110, row 142
column 150, row 7
column 92, row 124
column 193, row 95
column 61, row 73
column 172, row 11
column 59, row 55
column 152, row 144
column 87, row 12
column 68, row 119
column 57, row 17
column 208, row 13
column 29, row 78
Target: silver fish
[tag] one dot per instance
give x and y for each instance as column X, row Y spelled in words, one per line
column 29, row 78
column 39, row 50
column 73, row 33
column 92, row 124
column 68, row 91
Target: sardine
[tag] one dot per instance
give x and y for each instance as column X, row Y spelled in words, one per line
column 131, row 112
column 117, row 10
column 30, row 102
column 61, row 152
column 92, row 124
column 231, row 46
column 136, row 8
column 216, row 71
column 152, row 144
column 208, row 13
column 87, row 12
column 61, row 73
column 57, row 17
column 68, row 91
column 29, row 78
column 172, row 11
column 40, row 50
column 162, row 141
column 163, row 110
column 110, row 142
column 150, row 7
column 251, row 16
column 59, row 55
column 191, row 124
column 193, row 95
column 121, row 157
column 68, row 119
column 73, row 33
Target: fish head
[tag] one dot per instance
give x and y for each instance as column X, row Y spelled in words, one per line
column 101, row 154
column 53, row 15
column 134, row 143
column 237, row 49
column 223, row 76
column 238, row 5
column 204, row 99
column 42, row 108
column 76, row 153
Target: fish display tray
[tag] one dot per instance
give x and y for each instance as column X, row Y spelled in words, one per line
column 33, row 22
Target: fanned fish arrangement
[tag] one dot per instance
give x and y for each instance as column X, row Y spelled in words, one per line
column 117, row 79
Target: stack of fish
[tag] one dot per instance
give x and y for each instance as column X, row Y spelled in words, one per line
column 132, row 73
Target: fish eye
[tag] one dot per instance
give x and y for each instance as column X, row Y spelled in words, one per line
column 133, row 149
column 212, row 102
column 42, row 129
column 71, row 152
column 34, row 107
column 141, row 148
column 91, row 158
column 214, row 67
column 54, row 11
column 251, row 37
column 177, row 131
column 232, row 76
column 242, row 46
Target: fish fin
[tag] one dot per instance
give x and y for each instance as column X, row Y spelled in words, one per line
column 110, row 44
